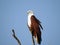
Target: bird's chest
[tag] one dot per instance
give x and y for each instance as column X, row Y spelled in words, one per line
column 29, row 21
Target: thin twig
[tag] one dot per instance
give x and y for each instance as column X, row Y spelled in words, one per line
column 33, row 40
column 15, row 37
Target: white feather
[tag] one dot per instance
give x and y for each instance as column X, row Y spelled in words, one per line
column 29, row 20
column 30, row 13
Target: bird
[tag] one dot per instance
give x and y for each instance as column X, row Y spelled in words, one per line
column 34, row 26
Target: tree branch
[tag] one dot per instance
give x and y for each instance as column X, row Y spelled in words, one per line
column 33, row 40
column 15, row 37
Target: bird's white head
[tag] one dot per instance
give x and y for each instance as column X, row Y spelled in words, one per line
column 30, row 12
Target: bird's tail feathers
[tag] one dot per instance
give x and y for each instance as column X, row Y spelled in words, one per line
column 38, row 39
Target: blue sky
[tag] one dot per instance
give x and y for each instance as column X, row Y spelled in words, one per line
column 13, row 15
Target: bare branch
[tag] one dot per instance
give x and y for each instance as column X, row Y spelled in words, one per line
column 33, row 40
column 15, row 37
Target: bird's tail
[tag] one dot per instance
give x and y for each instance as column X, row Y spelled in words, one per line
column 38, row 39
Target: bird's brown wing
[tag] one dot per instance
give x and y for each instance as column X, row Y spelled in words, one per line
column 37, row 21
column 35, row 25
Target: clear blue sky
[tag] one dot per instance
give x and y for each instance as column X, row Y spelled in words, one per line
column 13, row 15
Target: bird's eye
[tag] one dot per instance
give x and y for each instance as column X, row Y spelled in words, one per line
column 27, row 13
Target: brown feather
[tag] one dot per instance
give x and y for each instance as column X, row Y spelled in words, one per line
column 35, row 28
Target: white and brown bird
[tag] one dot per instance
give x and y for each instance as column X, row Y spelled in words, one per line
column 34, row 26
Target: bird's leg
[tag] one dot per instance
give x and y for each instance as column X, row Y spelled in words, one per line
column 33, row 40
